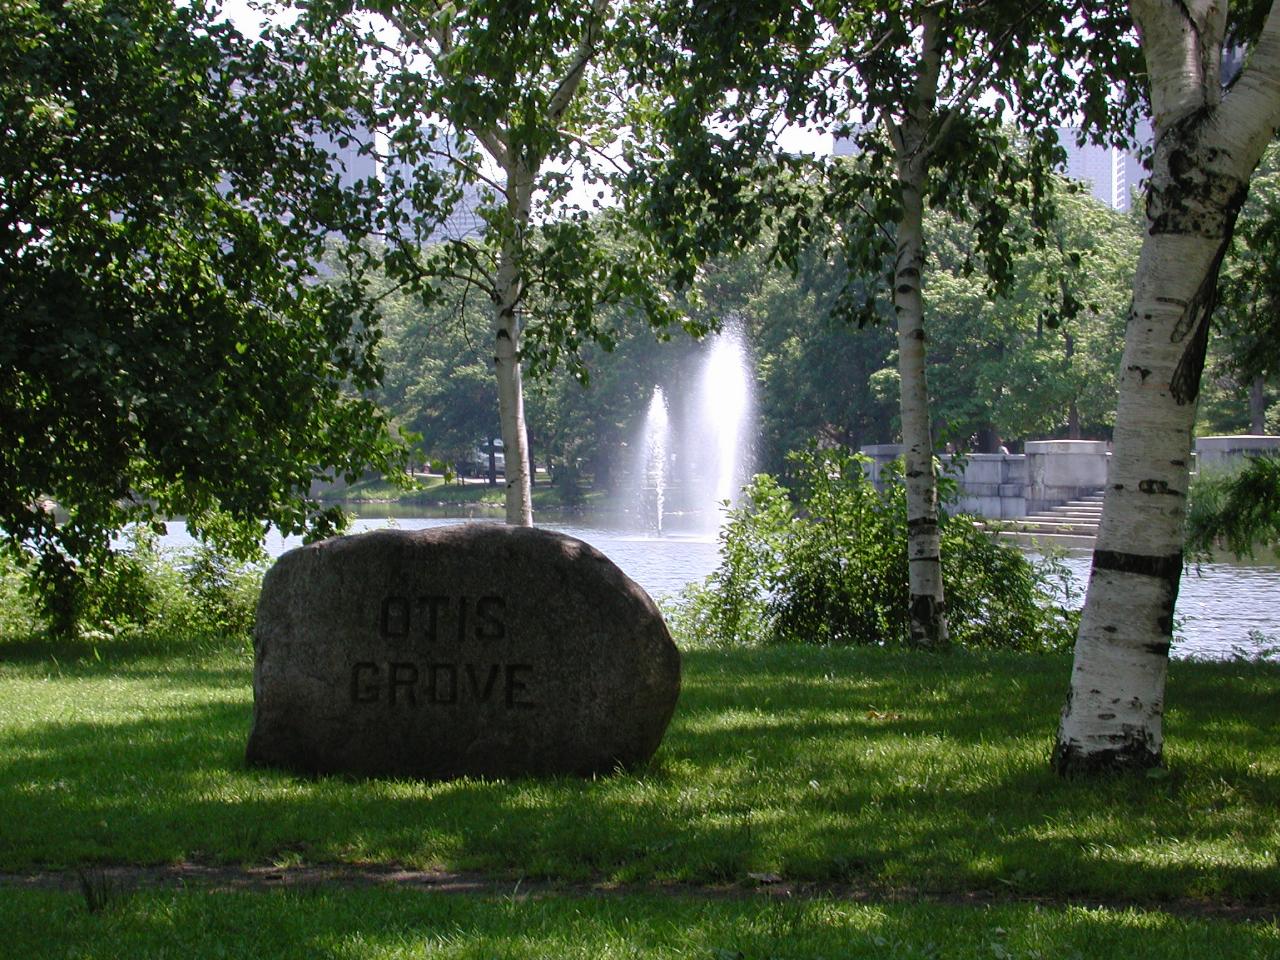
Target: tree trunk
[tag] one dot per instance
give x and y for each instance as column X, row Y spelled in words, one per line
column 1258, row 406
column 1205, row 152
column 927, row 606
column 506, row 354
column 1073, row 408
column 928, row 621
column 506, row 363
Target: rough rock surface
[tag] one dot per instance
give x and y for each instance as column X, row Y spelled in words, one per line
column 469, row 650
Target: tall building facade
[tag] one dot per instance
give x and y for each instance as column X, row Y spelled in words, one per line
column 353, row 166
column 1113, row 174
column 464, row 219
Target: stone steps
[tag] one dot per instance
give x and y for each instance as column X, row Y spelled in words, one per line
column 1073, row 525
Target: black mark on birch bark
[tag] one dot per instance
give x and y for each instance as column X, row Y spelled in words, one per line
column 926, row 619
column 1166, row 569
column 1159, row 487
column 1193, row 199
column 1162, row 568
column 1142, row 372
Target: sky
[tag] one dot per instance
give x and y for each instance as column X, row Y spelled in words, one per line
column 794, row 139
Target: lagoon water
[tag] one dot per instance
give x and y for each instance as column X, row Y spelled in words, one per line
column 1224, row 609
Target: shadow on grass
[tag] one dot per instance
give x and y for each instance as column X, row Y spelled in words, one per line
column 862, row 767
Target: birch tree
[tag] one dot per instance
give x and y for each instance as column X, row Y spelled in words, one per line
column 501, row 106
column 944, row 105
column 1207, row 143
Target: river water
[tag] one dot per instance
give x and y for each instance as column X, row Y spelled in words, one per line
column 1224, row 609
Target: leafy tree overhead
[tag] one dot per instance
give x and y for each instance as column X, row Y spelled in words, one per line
column 1039, row 361
column 167, row 346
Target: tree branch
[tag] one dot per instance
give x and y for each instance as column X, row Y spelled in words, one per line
column 435, row 43
column 1175, row 37
column 568, row 86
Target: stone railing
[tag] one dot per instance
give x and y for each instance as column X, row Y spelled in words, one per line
column 1005, row 486
column 1213, row 451
column 1008, row 485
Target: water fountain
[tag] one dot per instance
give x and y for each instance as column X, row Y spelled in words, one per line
column 692, row 459
column 654, row 466
column 717, row 436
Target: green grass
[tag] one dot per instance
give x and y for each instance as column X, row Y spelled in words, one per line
column 433, row 491
column 887, row 770
column 379, row 924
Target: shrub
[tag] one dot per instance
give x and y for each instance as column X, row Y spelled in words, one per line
column 1236, row 507
column 141, row 597
column 19, row 614
column 827, row 564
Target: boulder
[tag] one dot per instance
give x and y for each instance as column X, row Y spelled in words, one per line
column 469, row 650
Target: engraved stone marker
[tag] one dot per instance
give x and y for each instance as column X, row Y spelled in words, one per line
column 469, row 650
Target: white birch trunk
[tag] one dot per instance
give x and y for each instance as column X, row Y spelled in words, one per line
column 924, row 551
column 506, row 353
column 520, row 157
column 1206, row 149
column 927, row 609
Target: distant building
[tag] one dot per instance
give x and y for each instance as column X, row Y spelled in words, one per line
column 464, row 220
column 351, row 166
column 1112, row 173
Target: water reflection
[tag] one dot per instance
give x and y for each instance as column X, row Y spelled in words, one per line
column 1224, row 609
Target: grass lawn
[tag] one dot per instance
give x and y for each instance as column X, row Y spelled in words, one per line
column 434, row 491
column 889, row 772
column 877, row 768
column 379, row 924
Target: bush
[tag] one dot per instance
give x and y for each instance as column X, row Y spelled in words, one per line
column 140, row 597
column 830, row 567
column 1236, row 507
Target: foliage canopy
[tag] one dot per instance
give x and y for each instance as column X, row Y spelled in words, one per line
column 170, row 343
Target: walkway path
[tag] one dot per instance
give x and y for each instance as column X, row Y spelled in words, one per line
column 109, row 880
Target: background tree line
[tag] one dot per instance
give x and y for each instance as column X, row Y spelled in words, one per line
column 1016, row 367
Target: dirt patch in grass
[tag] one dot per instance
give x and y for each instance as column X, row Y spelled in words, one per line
column 121, row 878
